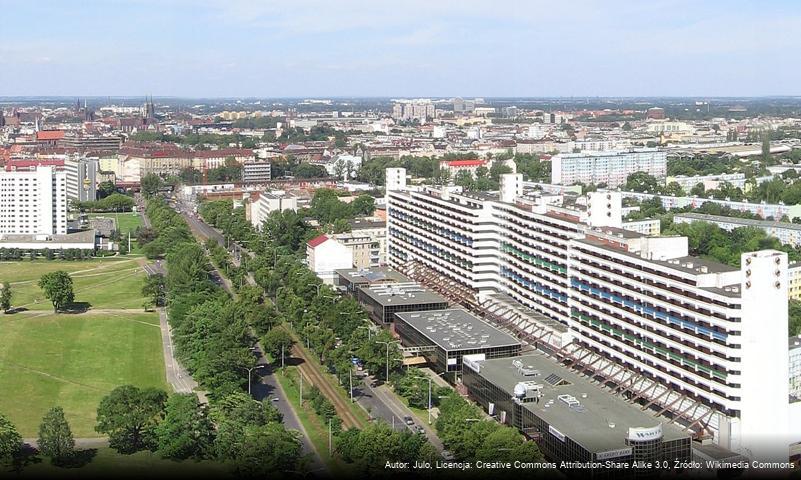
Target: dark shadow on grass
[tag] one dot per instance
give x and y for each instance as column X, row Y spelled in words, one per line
column 17, row 310
column 77, row 307
column 25, row 457
column 79, row 459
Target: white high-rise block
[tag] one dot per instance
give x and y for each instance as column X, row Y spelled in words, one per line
column 511, row 186
column 605, row 209
column 764, row 410
column 33, row 202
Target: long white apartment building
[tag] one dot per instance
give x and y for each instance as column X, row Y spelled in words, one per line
column 786, row 233
column 33, row 202
column 262, row 204
column 610, row 168
column 699, row 332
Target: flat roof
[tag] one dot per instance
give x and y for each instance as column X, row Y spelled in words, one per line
column 402, row 293
column 371, row 275
column 739, row 221
column 85, row 236
column 599, row 424
column 457, row 329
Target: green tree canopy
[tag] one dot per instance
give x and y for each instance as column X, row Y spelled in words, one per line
column 55, row 436
column 129, row 416
column 186, row 431
column 57, row 287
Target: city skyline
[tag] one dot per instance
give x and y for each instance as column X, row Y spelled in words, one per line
column 414, row 49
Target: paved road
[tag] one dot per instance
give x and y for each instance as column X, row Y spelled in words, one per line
column 383, row 403
column 267, row 386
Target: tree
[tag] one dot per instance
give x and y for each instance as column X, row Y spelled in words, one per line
column 363, row 205
column 10, row 439
column 55, row 436
column 464, row 179
column 274, row 340
column 57, row 287
column 641, row 182
column 506, row 444
column 5, row 297
column 129, row 416
column 794, row 312
column 627, row 127
column 266, row 450
column 154, row 288
column 186, row 431
column 151, row 183
column 698, row 190
column 105, row 189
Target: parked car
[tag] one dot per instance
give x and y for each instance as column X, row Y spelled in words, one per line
column 420, row 429
column 408, row 420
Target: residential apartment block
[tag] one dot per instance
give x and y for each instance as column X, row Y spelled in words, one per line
column 787, row 233
column 610, row 168
column 764, row 210
column 262, row 204
column 698, row 332
column 33, row 202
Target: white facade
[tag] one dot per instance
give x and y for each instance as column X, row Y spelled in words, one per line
column 611, row 168
column 324, row 255
column 267, row 203
column 786, row 233
column 33, row 202
column 764, row 210
column 639, row 302
column 256, row 172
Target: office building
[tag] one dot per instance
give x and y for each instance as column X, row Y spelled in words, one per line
column 571, row 418
column 81, row 179
column 382, row 302
column 610, row 168
column 256, row 172
column 420, row 110
column 33, row 202
column 443, row 337
column 690, row 335
column 91, row 142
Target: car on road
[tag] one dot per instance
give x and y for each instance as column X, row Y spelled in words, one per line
column 408, row 420
column 447, row 455
column 419, row 429
column 275, row 399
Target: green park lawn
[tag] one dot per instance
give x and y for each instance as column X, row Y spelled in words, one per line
column 101, row 282
column 73, row 360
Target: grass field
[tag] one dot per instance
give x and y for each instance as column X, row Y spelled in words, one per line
column 73, row 360
column 103, row 283
column 106, row 462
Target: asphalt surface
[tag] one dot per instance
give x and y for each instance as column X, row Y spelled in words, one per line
column 265, row 384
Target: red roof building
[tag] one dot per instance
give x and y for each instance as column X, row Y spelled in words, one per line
column 316, row 241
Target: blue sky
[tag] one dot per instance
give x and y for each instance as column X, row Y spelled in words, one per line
column 319, row 48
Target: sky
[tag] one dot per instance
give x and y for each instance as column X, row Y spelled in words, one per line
column 400, row 48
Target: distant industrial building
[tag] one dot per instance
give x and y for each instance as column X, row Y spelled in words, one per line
column 572, row 419
column 445, row 336
column 382, row 302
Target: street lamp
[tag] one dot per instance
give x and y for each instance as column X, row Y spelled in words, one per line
column 317, row 286
column 429, row 392
column 387, row 344
column 250, row 369
column 369, row 331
